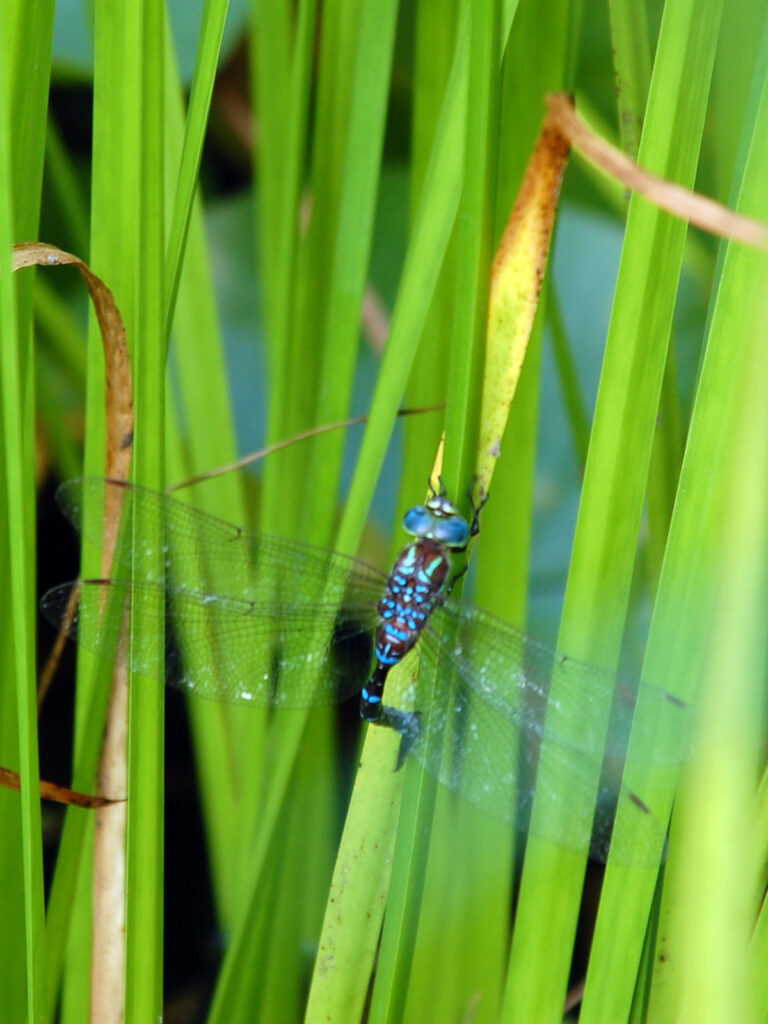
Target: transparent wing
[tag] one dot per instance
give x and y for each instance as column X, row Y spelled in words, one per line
column 224, row 648
column 255, row 619
column 513, row 673
column 210, row 556
column 491, row 731
column 248, row 617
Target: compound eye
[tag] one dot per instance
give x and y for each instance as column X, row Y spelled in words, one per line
column 418, row 521
column 453, row 532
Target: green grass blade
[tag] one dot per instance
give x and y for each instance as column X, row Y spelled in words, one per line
column 144, row 835
column 700, row 553
column 616, row 477
column 209, row 47
column 352, row 242
column 15, row 490
column 714, row 944
column 474, row 244
column 632, row 66
column 411, row 910
column 25, row 40
column 435, row 28
column 197, row 439
column 354, row 946
column 295, row 261
column 429, row 239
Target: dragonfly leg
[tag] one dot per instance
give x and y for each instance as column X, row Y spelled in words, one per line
column 477, row 507
column 474, row 528
column 454, row 580
column 408, row 724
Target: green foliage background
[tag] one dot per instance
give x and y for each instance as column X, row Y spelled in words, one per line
column 409, row 125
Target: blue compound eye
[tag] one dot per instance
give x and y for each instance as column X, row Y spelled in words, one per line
column 453, row 532
column 418, row 521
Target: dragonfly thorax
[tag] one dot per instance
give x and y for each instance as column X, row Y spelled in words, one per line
column 438, row 520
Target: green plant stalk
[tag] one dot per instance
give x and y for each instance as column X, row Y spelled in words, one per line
column 429, row 239
column 352, row 950
column 698, row 548
column 297, row 284
column 206, row 62
column 472, row 265
column 197, row 438
column 144, row 835
column 725, row 849
column 26, row 33
column 632, row 67
column 16, row 488
column 352, row 243
column 435, row 27
column 115, row 136
column 614, row 486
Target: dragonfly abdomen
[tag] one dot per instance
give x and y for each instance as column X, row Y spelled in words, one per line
column 416, row 585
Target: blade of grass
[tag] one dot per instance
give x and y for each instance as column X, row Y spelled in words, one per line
column 417, row 831
column 615, row 481
column 632, row 67
column 286, row 733
column 716, row 976
column 206, row 62
column 30, row 33
column 283, row 132
column 481, row 872
column 435, row 28
column 758, row 994
column 199, row 436
column 352, row 242
column 740, row 47
column 116, row 172
column 696, row 554
column 92, row 717
column 359, row 901
column 431, row 232
column 475, row 246
column 25, row 40
column 416, row 264
column 297, row 283
column 17, row 490
column 144, row 846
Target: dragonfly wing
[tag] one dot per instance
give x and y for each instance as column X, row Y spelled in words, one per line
column 487, row 733
column 226, row 649
column 208, row 555
column 515, row 674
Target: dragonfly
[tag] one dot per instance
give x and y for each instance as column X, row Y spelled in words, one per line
column 253, row 619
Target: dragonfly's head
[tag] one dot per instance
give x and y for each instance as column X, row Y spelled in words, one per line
column 438, row 520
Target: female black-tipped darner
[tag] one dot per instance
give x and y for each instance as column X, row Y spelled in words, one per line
column 255, row 619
